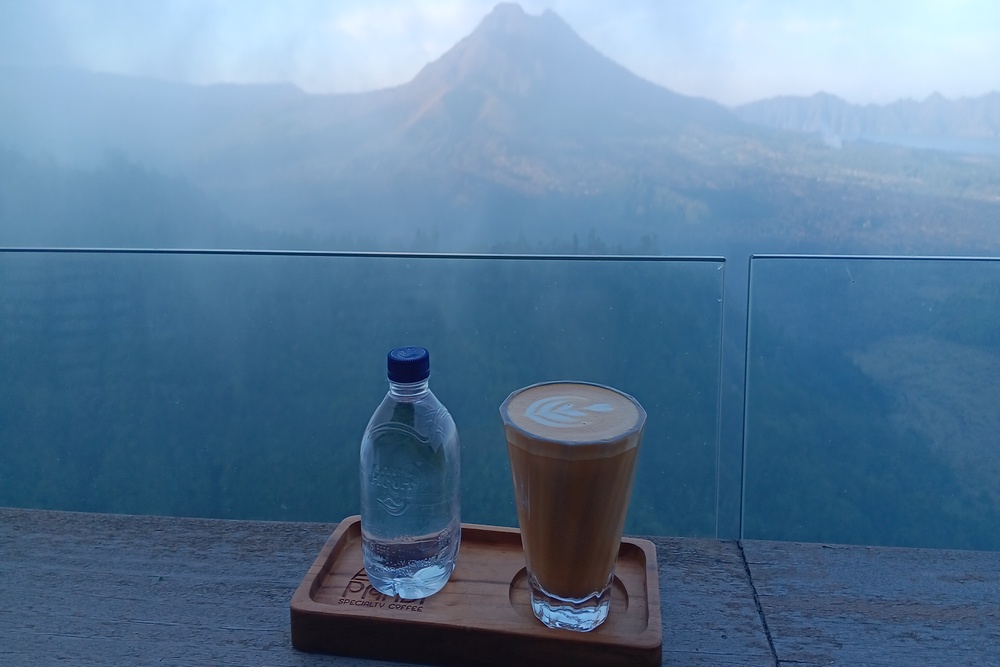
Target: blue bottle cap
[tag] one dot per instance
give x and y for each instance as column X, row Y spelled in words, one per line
column 408, row 365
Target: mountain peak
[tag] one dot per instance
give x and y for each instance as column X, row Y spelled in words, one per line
column 505, row 13
column 513, row 52
column 509, row 17
column 520, row 70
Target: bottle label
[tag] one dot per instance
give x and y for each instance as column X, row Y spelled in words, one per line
column 394, row 487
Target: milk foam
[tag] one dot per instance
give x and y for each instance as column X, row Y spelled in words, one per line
column 573, row 413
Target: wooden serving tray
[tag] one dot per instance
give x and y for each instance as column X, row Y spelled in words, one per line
column 481, row 617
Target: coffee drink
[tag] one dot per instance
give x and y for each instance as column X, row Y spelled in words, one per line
column 573, row 448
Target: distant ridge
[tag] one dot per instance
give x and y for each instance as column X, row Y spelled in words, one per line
column 936, row 116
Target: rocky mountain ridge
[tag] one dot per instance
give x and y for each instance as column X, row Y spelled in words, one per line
column 975, row 118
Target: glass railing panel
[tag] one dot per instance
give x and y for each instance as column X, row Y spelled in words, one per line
column 872, row 401
column 238, row 384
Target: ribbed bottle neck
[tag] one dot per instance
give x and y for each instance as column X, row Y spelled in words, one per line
column 409, row 390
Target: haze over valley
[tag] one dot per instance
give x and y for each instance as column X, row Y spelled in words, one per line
column 522, row 137
column 844, row 399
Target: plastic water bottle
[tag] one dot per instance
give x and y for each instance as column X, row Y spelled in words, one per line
column 410, row 524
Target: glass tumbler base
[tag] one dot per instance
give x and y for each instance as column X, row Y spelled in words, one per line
column 570, row 614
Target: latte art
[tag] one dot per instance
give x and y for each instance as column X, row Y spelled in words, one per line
column 572, row 413
column 560, row 411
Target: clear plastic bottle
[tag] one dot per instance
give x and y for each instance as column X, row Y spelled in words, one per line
column 410, row 523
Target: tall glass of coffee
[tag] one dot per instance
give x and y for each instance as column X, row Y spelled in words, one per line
column 573, row 448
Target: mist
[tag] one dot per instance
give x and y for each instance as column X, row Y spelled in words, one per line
column 522, row 136
column 145, row 149
column 730, row 52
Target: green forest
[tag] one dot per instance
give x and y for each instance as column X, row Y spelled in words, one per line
column 239, row 386
column 871, row 412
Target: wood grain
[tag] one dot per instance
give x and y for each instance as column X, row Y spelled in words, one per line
column 708, row 611
column 95, row 589
column 857, row 605
column 485, row 604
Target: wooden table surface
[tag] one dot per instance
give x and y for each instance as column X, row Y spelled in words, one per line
column 98, row 589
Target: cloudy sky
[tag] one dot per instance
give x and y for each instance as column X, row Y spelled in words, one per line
column 732, row 51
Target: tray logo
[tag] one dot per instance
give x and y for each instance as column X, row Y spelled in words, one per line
column 360, row 593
